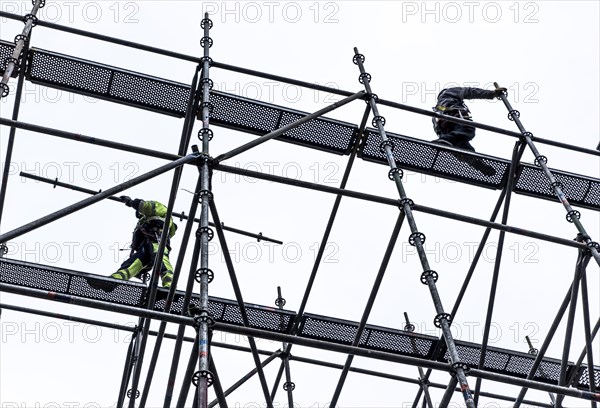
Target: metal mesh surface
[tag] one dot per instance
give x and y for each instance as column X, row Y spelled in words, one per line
column 324, row 328
column 579, row 190
column 246, row 114
column 421, row 156
column 372, row 337
column 399, row 342
column 6, row 50
column 328, row 135
column 70, row 282
column 68, row 73
column 507, row 362
column 32, row 276
column 583, row 381
column 150, row 92
column 243, row 114
column 228, row 311
column 110, row 83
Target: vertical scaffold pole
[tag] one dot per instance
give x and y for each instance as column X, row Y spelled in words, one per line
column 288, row 385
column 429, row 277
column 204, row 377
column 12, row 62
column 573, row 216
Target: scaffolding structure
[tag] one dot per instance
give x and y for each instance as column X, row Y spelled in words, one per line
column 467, row 364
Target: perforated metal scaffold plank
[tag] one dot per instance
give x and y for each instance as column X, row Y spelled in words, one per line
column 512, row 363
column 244, row 114
column 579, row 190
column 415, row 154
column 260, row 118
column 6, row 50
column 106, row 82
column 59, row 280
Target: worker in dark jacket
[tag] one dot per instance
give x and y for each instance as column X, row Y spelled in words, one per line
column 450, row 101
column 146, row 236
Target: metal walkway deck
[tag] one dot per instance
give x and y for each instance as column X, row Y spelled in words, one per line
column 312, row 326
column 239, row 113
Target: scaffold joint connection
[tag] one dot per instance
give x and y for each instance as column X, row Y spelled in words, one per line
column 573, row 213
column 358, row 57
column 130, row 393
column 205, row 132
column 204, row 271
column 395, row 171
column 412, row 238
column 31, row 17
column 376, row 119
column 206, row 21
column 460, row 365
column 364, row 77
column 540, row 159
column 206, row 40
column 384, row 144
column 207, row 230
column 440, row 317
column 429, row 274
column 514, row 114
column 210, row 378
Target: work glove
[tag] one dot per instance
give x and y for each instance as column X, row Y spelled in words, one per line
column 126, row 200
column 131, row 203
column 499, row 91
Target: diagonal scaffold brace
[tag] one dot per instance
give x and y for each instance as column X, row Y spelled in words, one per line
column 573, row 216
column 429, row 277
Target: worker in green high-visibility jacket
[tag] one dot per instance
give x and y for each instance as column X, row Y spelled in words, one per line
column 146, row 236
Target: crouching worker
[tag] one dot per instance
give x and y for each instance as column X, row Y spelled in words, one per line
column 145, row 240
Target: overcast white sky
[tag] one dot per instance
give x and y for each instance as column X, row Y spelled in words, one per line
column 544, row 52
